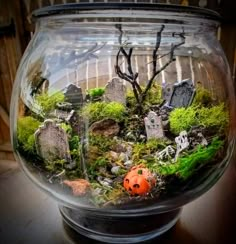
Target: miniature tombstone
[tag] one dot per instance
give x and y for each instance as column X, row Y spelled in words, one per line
column 182, row 95
column 52, row 142
column 182, row 143
column 153, row 126
column 167, row 92
column 115, row 91
column 73, row 94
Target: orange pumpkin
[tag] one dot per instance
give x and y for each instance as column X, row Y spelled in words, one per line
column 139, row 181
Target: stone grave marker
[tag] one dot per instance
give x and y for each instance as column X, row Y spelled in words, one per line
column 52, row 142
column 182, row 94
column 115, row 91
column 73, row 94
column 167, row 92
column 153, row 126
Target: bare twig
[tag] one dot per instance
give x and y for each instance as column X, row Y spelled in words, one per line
column 131, row 77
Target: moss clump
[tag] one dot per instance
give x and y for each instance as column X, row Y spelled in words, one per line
column 146, row 149
column 25, row 133
column 183, row 119
column 67, row 128
column 55, row 166
column 93, row 169
column 48, row 102
column 103, row 143
column 186, row 166
column 215, row 117
column 107, row 195
column 101, row 110
column 154, row 96
column 96, row 92
column 203, row 97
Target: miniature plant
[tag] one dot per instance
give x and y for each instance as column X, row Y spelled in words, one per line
column 93, row 168
column 55, row 166
column 146, row 149
column 215, row 117
column 186, row 166
column 74, row 142
column 48, row 102
column 154, row 96
column 184, row 118
column 100, row 110
column 203, row 97
column 25, row 133
column 67, row 128
column 96, row 92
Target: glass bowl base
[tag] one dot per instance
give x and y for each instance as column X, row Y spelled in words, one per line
column 119, row 229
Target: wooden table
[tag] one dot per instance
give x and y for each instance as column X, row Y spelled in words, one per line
column 28, row 215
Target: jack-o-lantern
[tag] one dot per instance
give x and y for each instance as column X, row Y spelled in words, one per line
column 139, row 181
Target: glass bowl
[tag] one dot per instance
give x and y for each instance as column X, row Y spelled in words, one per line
column 123, row 113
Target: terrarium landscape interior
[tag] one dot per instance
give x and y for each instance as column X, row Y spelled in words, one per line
column 129, row 141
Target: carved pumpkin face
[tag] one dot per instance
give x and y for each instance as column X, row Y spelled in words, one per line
column 139, row 181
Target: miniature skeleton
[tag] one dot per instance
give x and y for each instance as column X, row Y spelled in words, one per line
column 166, row 153
column 153, row 125
column 182, row 143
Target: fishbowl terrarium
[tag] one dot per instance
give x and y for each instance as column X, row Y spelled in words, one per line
column 123, row 113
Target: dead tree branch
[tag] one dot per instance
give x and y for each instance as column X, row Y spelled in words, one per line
column 131, row 77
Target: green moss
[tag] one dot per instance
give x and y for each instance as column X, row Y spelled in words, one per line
column 154, row 96
column 184, row 118
column 203, row 97
column 96, row 92
column 93, row 168
column 26, row 128
column 67, row 128
column 215, row 117
column 108, row 195
column 186, row 166
column 103, row 143
column 146, row 149
column 100, row 110
column 48, row 102
column 74, row 142
column 55, row 166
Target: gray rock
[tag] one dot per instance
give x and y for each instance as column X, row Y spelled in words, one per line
column 123, row 157
column 115, row 170
column 128, row 163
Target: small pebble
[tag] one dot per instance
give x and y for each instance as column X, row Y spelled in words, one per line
column 128, row 163
column 115, row 170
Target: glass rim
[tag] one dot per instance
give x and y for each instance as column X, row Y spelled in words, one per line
column 76, row 8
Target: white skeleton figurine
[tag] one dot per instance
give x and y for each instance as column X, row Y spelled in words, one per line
column 182, row 143
column 165, row 153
